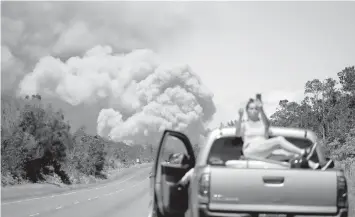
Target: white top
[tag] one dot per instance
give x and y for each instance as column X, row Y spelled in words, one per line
column 252, row 131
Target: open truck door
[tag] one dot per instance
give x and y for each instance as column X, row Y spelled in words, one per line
column 170, row 198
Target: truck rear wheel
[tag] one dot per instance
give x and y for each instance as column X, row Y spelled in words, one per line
column 344, row 214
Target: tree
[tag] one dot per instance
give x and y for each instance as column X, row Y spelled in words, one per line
column 327, row 110
column 36, row 142
column 289, row 114
column 347, row 79
column 37, row 138
column 322, row 97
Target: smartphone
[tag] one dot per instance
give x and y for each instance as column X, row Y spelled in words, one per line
column 258, row 96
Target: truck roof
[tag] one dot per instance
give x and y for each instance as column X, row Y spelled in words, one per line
column 273, row 131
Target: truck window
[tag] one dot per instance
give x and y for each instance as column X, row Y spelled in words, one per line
column 225, row 149
column 173, row 149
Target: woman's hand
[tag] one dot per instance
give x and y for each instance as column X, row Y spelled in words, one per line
column 259, row 104
column 241, row 112
column 264, row 118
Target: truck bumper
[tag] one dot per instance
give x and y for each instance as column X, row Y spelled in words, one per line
column 343, row 213
column 205, row 212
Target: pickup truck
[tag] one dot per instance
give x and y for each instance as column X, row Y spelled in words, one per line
column 224, row 183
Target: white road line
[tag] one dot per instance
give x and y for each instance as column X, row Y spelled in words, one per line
column 19, row 201
column 74, row 192
column 97, row 197
column 118, row 191
column 63, row 194
column 138, row 183
column 125, row 180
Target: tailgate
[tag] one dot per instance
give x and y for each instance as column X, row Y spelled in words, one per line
column 273, row 190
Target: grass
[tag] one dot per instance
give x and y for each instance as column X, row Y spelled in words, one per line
column 350, row 174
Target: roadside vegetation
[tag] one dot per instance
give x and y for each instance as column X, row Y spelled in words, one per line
column 38, row 145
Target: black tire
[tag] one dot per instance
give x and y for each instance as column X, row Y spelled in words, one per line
column 156, row 213
column 344, row 214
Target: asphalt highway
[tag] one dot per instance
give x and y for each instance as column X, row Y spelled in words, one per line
column 127, row 196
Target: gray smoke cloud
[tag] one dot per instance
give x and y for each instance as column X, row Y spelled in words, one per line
column 143, row 95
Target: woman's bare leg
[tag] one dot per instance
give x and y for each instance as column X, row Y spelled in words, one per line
column 266, row 147
column 280, row 142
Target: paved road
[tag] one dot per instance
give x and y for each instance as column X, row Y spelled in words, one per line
column 125, row 197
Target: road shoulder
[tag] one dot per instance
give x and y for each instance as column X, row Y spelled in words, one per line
column 26, row 191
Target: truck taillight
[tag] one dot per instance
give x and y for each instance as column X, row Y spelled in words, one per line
column 342, row 197
column 204, row 188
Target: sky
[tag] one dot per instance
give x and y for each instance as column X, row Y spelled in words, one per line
column 143, row 66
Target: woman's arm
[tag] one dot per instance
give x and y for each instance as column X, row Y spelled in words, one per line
column 239, row 126
column 264, row 118
column 186, row 178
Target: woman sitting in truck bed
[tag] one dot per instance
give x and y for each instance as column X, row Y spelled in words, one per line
column 254, row 132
